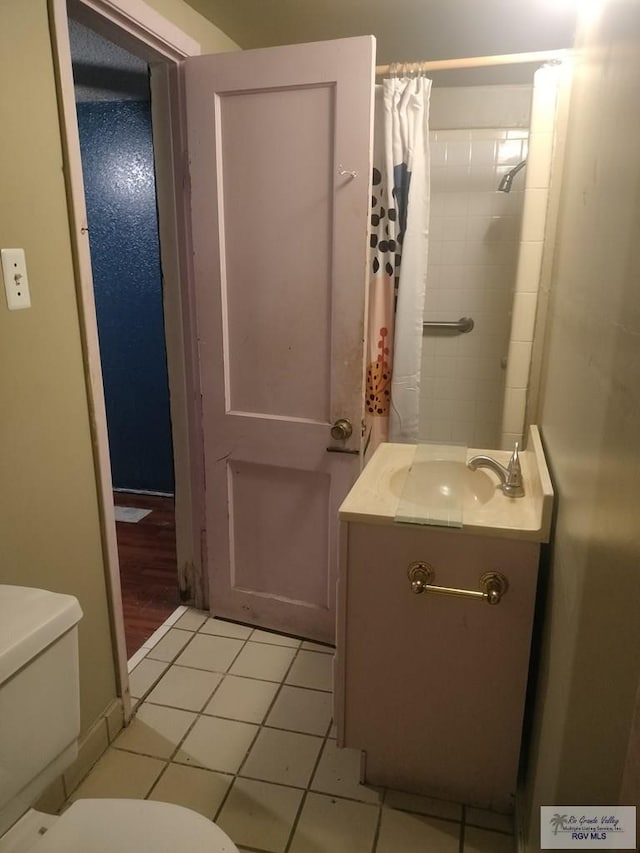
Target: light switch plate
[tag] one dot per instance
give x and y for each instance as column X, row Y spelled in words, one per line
column 16, row 283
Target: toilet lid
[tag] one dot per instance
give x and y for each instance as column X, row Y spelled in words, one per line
column 113, row 826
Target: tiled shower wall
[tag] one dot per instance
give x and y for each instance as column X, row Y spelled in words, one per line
column 473, row 253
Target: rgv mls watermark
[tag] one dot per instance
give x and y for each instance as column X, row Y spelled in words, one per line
column 588, row 827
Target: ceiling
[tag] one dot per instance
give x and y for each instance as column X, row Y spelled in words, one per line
column 406, row 30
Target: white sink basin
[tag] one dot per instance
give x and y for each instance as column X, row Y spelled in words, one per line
column 440, row 480
column 444, row 490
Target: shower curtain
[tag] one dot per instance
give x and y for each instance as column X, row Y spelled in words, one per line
column 399, row 242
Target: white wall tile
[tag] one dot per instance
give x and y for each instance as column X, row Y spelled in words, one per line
column 455, row 204
column 514, row 406
column 534, row 214
column 452, row 251
column 543, row 103
column 454, row 228
column 438, row 178
column 485, row 436
column 472, row 265
column 508, row 438
column 483, row 150
column 505, row 204
column 483, row 177
column 458, row 153
column 509, row 152
column 529, row 266
column 480, row 202
column 437, row 151
column 461, row 431
column 539, row 161
column 519, row 362
column 524, row 316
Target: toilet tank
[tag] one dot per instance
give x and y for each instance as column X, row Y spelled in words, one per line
column 39, row 693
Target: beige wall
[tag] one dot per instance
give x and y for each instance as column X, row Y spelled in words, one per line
column 590, row 419
column 211, row 38
column 49, row 523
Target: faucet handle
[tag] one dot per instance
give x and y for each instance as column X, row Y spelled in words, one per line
column 514, row 486
column 514, row 462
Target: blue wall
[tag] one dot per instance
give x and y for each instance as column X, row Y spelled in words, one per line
column 117, row 161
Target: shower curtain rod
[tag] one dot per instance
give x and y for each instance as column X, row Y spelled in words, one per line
column 477, row 61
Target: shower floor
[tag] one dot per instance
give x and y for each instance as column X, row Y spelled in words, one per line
column 148, row 566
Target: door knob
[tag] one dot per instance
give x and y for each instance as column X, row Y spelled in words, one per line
column 341, row 430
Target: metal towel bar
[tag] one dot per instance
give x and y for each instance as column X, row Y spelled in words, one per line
column 493, row 584
column 462, row 326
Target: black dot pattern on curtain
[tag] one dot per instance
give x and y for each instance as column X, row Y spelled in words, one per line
column 385, row 242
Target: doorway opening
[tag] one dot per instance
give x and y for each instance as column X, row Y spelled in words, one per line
column 113, row 108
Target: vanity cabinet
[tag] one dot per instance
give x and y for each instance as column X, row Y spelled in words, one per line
column 432, row 687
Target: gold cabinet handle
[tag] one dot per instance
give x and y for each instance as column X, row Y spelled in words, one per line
column 493, row 585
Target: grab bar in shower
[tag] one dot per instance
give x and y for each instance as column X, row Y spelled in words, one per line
column 461, row 326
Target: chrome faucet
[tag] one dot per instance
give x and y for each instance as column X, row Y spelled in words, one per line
column 510, row 477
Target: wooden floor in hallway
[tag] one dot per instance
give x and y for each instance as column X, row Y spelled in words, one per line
column 148, row 566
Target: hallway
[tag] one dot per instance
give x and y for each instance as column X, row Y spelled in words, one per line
column 148, row 567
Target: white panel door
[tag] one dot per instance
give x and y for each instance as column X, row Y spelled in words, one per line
column 280, row 161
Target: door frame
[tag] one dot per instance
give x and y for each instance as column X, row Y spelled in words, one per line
column 143, row 31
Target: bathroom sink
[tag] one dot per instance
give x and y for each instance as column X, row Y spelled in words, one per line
column 400, row 484
column 440, row 480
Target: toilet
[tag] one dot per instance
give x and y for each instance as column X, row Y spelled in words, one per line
column 39, row 728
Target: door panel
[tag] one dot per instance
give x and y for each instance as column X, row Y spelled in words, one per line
column 260, row 495
column 264, row 305
column 280, row 247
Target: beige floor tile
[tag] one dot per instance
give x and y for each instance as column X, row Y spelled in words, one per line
column 120, row 774
column 192, row 787
column 412, row 833
column 244, row 699
column 217, row 744
column 185, row 688
column 287, row 758
column 156, row 730
column 332, row 825
column 300, row 710
column 209, row 652
column 191, row 620
column 318, row 647
column 488, row 820
column 338, row 773
column 222, row 628
column 170, row 645
column 259, row 815
column 258, row 660
column 423, row 805
column 485, row 841
column 311, row 669
column 144, row 676
column 273, row 639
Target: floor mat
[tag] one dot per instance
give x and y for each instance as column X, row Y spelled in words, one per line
column 130, row 514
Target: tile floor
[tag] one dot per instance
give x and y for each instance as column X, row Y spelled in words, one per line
column 236, row 723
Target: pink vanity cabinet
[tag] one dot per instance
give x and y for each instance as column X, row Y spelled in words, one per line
column 430, row 687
